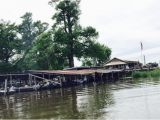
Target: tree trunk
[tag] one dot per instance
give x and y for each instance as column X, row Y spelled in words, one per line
column 71, row 60
column 71, row 42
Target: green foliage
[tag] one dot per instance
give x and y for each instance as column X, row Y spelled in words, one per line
column 6, row 67
column 10, row 44
column 26, row 30
column 77, row 41
column 31, row 45
column 47, row 54
column 96, row 54
column 29, row 30
column 155, row 73
column 144, row 74
column 67, row 14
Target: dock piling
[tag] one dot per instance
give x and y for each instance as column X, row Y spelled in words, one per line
column 5, row 88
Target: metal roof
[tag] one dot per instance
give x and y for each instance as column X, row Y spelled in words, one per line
column 66, row 72
column 75, row 72
column 115, row 63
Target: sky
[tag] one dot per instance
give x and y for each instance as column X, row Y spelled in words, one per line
column 122, row 24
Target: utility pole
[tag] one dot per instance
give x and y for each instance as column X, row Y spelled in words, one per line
column 144, row 60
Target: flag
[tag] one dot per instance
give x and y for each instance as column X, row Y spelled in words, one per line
column 141, row 46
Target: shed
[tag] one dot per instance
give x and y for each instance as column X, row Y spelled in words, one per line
column 117, row 63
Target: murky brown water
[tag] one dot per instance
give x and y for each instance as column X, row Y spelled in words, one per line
column 138, row 99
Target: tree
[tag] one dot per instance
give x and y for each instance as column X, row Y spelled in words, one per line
column 10, row 44
column 69, row 33
column 96, row 55
column 29, row 30
column 47, row 54
column 26, row 30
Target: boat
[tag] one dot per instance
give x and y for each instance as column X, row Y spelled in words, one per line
column 49, row 85
column 25, row 88
column 8, row 91
column 36, row 87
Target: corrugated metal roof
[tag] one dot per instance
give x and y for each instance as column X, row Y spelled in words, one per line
column 115, row 63
column 66, row 72
column 75, row 72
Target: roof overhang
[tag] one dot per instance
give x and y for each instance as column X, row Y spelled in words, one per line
column 115, row 63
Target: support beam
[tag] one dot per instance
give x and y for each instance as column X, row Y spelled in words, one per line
column 5, row 87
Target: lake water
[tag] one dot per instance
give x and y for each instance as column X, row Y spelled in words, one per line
column 137, row 99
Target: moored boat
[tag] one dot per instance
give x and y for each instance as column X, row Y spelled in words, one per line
column 8, row 91
column 27, row 88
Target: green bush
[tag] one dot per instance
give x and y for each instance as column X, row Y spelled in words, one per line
column 144, row 74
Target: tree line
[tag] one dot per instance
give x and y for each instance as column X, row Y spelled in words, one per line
column 34, row 45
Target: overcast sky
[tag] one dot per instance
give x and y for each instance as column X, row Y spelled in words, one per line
column 122, row 24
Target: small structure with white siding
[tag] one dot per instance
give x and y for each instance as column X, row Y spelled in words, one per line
column 117, row 63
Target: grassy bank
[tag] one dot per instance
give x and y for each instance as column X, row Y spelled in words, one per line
column 145, row 74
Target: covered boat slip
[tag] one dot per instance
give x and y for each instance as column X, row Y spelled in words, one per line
column 53, row 74
column 13, row 79
column 92, row 75
column 48, row 79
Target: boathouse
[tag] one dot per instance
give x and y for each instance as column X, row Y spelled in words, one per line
column 117, row 63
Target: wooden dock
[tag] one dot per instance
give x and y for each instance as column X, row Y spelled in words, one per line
column 61, row 78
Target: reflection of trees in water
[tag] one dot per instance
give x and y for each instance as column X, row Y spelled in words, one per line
column 58, row 103
column 90, row 101
column 4, row 106
column 9, row 108
column 99, row 97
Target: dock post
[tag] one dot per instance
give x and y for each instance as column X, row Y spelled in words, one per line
column 94, row 79
column 112, row 77
column 49, row 76
column 43, row 75
column 35, row 83
column 101, row 77
column 35, row 80
column 5, row 87
column 60, row 82
column 11, row 79
column 30, row 77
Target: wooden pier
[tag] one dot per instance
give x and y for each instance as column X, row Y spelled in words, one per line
column 61, row 78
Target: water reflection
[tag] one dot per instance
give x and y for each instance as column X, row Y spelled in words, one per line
column 124, row 99
column 76, row 102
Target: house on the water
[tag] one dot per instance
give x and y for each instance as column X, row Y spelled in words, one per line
column 117, row 63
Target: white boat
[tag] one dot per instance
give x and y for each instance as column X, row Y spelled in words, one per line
column 9, row 91
column 12, row 89
column 27, row 88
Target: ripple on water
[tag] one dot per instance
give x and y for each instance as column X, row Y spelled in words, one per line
column 93, row 101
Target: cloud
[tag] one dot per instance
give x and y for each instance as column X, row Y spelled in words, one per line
column 121, row 24
column 13, row 9
column 152, row 55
